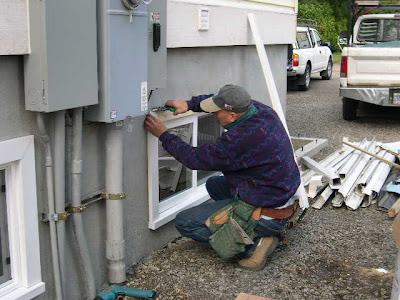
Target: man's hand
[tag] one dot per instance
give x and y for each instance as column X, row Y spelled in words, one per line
column 180, row 105
column 154, row 125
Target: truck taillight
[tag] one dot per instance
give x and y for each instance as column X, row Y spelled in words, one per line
column 295, row 60
column 343, row 67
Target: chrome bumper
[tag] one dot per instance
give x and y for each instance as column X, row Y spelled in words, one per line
column 378, row 96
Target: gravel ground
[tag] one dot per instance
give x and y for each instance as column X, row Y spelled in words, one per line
column 332, row 254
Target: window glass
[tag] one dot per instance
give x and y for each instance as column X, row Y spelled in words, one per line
column 384, row 30
column 312, row 39
column 302, row 40
column 5, row 270
column 209, row 129
column 317, row 38
column 173, row 176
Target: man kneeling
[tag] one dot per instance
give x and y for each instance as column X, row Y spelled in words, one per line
column 255, row 196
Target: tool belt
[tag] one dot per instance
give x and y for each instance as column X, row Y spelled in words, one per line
column 232, row 226
column 279, row 214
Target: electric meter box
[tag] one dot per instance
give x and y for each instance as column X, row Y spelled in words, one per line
column 61, row 70
column 126, row 47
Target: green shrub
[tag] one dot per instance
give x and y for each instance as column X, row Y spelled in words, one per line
column 331, row 16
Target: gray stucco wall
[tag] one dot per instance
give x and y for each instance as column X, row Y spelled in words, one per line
column 190, row 72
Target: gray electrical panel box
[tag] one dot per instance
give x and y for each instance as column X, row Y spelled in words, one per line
column 126, row 47
column 157, row 77
column 61, row 71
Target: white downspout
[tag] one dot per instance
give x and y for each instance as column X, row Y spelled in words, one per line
column 76, row 209
column 115, row 244
column 59, row 182
column 50, row 199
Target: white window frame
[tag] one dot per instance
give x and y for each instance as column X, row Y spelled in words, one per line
column 17, row 158
column 163, row 212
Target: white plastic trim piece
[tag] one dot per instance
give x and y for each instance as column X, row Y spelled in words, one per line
column 378, row 179
column 327, row 172
column 322, row 198
column 353, row 174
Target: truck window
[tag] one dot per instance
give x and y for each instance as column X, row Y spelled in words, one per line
column 378, row 30
column 312, row 39
column 303, row 41
column 317, row 38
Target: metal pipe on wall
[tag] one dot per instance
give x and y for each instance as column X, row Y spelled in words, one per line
column 51, row 211
column 59, row 183
column 78, row 228
column 115, row 244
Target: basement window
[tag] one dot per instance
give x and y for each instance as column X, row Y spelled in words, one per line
column 20, row 272
column 172, row 186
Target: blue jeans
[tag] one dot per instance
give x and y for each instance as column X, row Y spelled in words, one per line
column 191, row 222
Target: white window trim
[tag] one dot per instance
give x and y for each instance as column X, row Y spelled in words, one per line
column 166, row 211
column 17, row 157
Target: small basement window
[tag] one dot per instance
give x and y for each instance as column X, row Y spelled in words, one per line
column 20, row 272
column 172, row 186
column 5, row 265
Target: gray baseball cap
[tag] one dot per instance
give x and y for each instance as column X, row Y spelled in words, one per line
column 230, row 97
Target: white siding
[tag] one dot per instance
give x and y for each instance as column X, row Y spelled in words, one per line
column 228, row 22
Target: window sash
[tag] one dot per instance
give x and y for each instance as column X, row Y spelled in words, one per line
column 18, row 158
column 162, row 212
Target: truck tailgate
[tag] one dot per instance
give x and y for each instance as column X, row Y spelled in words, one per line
column 373, row 66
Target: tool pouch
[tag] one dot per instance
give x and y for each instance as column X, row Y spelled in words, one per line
column 232, row 227
column 226, row 241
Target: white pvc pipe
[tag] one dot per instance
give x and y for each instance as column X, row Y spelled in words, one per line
column 59, row 184
column 78, row 228
column 115, row 244
column 51, row 211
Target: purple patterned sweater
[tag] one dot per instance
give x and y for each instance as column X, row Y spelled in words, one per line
column 255, row 156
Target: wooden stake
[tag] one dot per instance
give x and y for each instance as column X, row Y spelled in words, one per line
column 372, row 154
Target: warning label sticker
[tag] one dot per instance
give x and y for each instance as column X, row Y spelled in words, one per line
column 143, row 96
column 155, row 17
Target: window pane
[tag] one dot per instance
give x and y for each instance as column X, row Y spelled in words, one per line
column 173, row 176
column 302, row 40
column 378, row 30
column 5, row 270
column 209, row 129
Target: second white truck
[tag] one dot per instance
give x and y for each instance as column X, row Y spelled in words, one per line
column 370, row 66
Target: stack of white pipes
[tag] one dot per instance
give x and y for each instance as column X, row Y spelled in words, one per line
column 348, row 176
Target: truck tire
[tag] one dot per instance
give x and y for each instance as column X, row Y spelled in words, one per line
column 327, row 74
column 305, row 79
column 349, row 109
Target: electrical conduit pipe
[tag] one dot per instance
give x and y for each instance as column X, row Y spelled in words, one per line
column 115, row 244
column 50, row 198
column 76, row 170
column 59, row 183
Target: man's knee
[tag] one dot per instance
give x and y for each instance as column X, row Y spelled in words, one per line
column 211, row 182
column 181, row 221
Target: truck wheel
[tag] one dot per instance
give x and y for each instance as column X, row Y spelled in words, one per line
column 305, row 79
column 349, row 109
column 327, row 74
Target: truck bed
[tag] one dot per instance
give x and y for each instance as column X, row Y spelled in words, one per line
column 374, row 65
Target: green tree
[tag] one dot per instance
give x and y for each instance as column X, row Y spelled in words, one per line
column 332, row 16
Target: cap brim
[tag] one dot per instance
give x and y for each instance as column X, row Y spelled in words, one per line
column 208, row 105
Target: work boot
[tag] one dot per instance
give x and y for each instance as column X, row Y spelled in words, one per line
column 258, row 259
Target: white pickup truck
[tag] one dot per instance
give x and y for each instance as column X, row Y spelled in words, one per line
column 370, row 67
column 310, row 55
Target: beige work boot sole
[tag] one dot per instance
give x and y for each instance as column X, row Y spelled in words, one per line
column 258, row 260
